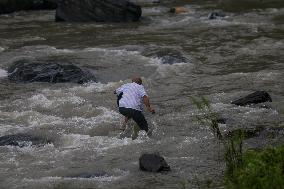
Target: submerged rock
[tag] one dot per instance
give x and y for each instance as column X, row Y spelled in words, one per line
column 9, row 6
column 89, row 175
column 172, row 59
column 254, row 98
column 167, row 56
column 215, row 15
column 22, row 140
column 145, row 2
column 245, row 132
column 97, row 10
column 22, row 71
column 153, row 163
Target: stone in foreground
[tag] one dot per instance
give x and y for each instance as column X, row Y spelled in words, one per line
column 153, row 163
column 97, row 11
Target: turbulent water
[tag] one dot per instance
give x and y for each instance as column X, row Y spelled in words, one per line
column 225, row 59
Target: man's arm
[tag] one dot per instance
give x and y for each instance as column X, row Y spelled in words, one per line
column 147, row 104
column 118, row 90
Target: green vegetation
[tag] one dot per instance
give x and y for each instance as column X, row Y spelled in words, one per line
column 259, row 170
column 263, row 169
column 208, row 116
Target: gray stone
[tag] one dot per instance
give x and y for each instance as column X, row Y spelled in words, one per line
column 37, row 71
column 254, row 98
column 9, row 6
column 22, row 140
column 153, row 163
column 97, row 11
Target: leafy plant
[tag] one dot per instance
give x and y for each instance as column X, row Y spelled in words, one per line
column 208, row 116
column 245, row 170
column 259, row 170
column 234, row 152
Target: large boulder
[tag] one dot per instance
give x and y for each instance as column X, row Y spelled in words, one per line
column 97, row 10
column 25, row 71
column 254, row 98
column 22, row 140
column 153, row 163
column 9, row 6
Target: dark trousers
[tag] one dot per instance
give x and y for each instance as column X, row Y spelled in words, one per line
column 136, row 115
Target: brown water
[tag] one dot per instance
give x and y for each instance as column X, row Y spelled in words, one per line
column 226, row 58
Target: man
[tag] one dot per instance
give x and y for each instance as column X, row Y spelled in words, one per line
column 131, row 97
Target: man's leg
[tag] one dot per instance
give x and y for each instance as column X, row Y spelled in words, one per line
column 124, row 124
column 139, row 118
column 127, row 115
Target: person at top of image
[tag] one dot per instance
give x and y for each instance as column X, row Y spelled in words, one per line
column 130, row 100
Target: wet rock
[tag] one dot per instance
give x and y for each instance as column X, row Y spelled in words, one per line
column 88, row 175
column 245, row 132
column 178, row 10
column 221, row 120
column 145, row 2
column 153, row 163
column 215, row 15
column 24, row 71
column 167, row 56
column 9, row 6
column 254, row 98
column 172, row 59
column 97, row 11
column 22, row 140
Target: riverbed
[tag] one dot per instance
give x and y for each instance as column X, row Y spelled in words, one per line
column 223, row 59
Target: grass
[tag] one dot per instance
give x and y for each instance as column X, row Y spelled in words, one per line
column 262, row 169
column 208, row 116
column 259, row 170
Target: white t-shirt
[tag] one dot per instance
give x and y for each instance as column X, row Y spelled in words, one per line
column 132, row 96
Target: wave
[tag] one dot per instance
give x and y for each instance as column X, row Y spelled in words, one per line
column 3, row 73
column 2, row 49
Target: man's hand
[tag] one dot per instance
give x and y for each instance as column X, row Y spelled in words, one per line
column 147, row 104
column 152, row 110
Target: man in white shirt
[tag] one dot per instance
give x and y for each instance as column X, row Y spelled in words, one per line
column 131, row 97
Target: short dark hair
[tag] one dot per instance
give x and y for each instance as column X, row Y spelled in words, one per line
column 137, row 80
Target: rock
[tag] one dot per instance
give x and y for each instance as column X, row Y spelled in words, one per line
column 245, row 132
column 167, row 56
column 145, row 2
column 215, row 15
column 9, row 6
column 221, row 120
column 89, row 175
column 254, row 98
column 172, row 59
column 97, row 10
column 22, row 140
column 23, row 71
column 178, row 10
column 153, row 163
